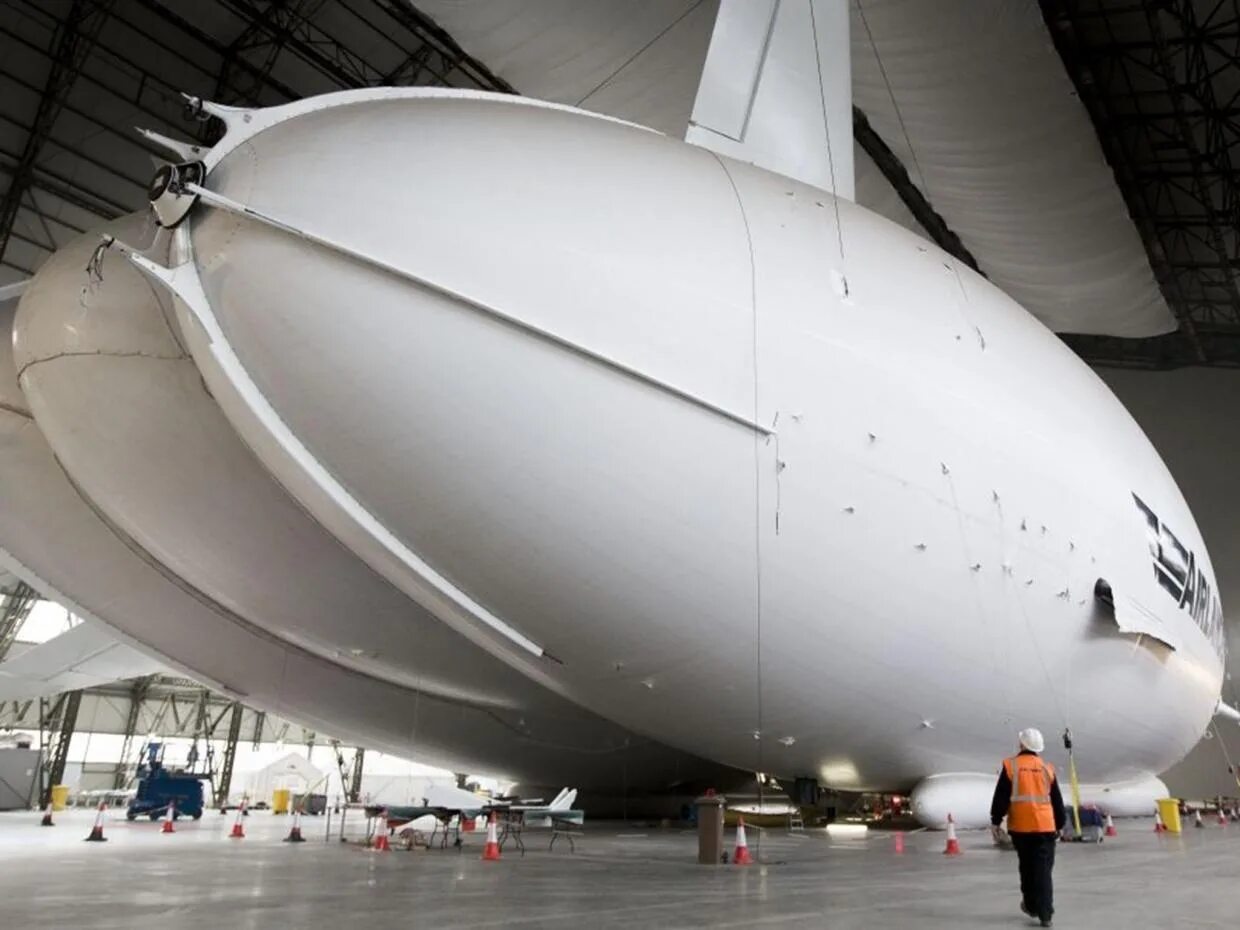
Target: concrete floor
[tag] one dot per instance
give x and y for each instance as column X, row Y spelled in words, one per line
column 619, row 877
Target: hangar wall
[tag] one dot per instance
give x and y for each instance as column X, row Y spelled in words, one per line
column 1192, row 415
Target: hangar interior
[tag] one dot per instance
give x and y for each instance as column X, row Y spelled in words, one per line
column 1079, row 154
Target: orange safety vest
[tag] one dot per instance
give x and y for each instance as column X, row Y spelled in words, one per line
column 1030, row 809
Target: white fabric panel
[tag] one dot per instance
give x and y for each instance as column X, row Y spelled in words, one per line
column 1009, row 157
column 776, row 90
column 638, row 60
column 82, row 657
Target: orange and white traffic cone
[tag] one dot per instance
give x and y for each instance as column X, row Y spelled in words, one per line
column 294, row 833
column 238, row 830
column 468, row 825
column 490, row 852
column 1159, row 826
column 382, row 844
column 47, row 817
column 953, row 844
column 741, row 855
column 169, row 815
column 1197, row 821
column 96, row 832
column 1222, row 818
column 1110, row 830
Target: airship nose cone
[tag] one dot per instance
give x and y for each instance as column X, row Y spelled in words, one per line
column 481, row 328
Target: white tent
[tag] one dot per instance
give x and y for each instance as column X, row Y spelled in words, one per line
column 291, row 771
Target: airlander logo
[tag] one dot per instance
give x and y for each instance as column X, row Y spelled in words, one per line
column 1175, row 567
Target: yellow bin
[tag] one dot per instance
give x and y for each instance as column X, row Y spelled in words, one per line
column 280, row 800
column 60, row 797
column 1169, row 810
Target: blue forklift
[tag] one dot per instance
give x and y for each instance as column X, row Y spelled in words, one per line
column 159, row 786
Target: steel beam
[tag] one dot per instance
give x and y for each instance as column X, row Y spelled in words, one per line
column 1148, row 74
column 72, row 41
column 137, row 696
column 66, row 724
column 260, row 721
column 224, row 784
column 15, row 607
column 355, row 776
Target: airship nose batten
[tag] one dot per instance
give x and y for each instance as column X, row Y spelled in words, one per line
column 51, row 537
column 125, row 409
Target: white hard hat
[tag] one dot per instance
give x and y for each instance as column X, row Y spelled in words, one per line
column 1031, row 739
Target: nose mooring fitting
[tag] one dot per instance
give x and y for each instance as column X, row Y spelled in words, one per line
column 169, row 196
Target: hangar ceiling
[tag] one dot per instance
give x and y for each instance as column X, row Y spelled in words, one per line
column 1158, row 78
column 79, row 76
column 1161, row 81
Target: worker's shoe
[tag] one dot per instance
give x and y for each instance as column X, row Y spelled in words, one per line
column 1046, row 921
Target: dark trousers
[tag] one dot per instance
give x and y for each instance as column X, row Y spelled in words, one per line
column 1036, row 852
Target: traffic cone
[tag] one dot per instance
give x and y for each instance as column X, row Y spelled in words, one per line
column 953, row 844
column 294, row 833
column 1197, row 820
column 238, row 831
column 47, row 817
column 468, row 825
column 490, row 852
column 741, row 855
column 1110, row 830
column 96, row 832
column 168, row 818
column 381, row 834
column 1222, row 818
column 1159, row 827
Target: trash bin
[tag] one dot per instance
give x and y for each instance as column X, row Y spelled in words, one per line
column 280, row 800
column 60, row 797
column 1169, row 810
column 709, row 809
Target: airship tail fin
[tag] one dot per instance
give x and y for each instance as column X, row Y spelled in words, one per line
column 776, row 90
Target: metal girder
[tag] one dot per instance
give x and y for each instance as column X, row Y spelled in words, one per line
column 237, row 67
column 56, row 185
column 309, row 42
column 229, row 54
column 1158, row 80
column 260, row 721
column 15, row 607
column 432, row 34
column 355, row 776
column 898, row 177
column 65, row 720
column 71, row 43
column 137, row 695
column 224, row 784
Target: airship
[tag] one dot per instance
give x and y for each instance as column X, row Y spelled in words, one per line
column 502, row 406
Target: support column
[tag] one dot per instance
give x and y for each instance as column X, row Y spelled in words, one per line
column 355, row 777
column 69, row 705
column 15, row 607
column 137, row 695
column 224, row 785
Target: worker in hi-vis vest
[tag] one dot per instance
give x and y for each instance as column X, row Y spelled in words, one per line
column 1028, row 793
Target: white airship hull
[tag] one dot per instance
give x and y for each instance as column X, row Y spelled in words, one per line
column 469, row 715
column 740, row 466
